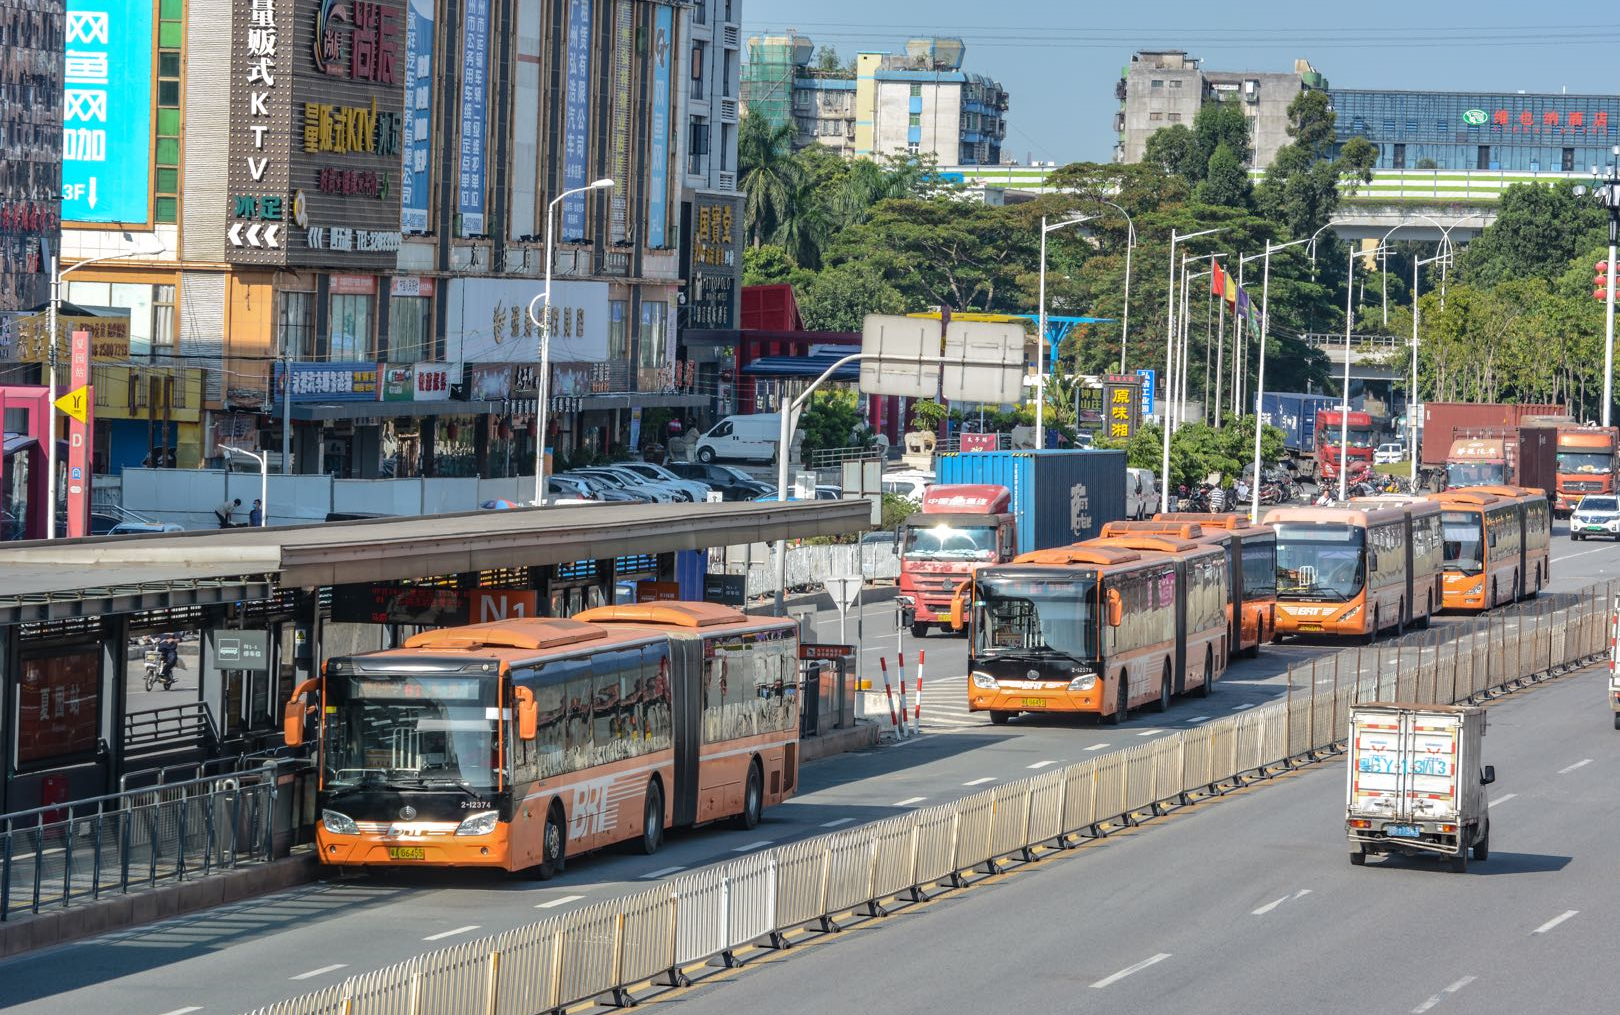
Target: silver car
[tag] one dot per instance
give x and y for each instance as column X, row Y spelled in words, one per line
column 1595, row 516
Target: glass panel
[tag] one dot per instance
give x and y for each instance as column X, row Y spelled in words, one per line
column 168, row 181
column 168, row 122
column 168, row 151
column 618, row 332
column 350, row 328
column 168, row 93
column 408, row 328
column 171, row 10
column 168, row 65
column 170, row 35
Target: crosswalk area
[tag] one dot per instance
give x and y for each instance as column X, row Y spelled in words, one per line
column 945, row 709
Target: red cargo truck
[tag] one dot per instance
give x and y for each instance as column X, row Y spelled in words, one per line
column 1442, row 420
column 961, row 525
column 1331, row 428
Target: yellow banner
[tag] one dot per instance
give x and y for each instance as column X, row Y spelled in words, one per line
column 109, row 338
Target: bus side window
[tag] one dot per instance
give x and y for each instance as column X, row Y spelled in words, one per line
column 550, row 742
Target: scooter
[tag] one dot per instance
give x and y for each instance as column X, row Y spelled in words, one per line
column 154, row 667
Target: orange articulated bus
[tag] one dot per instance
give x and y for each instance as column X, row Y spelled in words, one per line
column 1345, row 570
column 1251, row 572
column 516, row 744
column 1099, row 627
column 1425, row 554
column 1496, row 544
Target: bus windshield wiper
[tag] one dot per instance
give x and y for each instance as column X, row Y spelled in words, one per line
column 1043, row 652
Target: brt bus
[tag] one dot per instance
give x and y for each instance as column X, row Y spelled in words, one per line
column 1496, row 544
column 1099, row 627
column 1425, row 554
column 1251, row 572
column 514, row 744
column 1345, row 570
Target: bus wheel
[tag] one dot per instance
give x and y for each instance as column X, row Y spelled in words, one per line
column 753, row 798
column 1207, row 688
column 1372, row 632
column 652, row 821
column 1000, row 717
column 1163, row 704
column 553, row 846
column 1400, row 619
column 1122, row 708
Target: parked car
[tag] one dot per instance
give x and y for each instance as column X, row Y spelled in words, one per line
column 750, row 438
column 631, row 483
column 678, row 491
column 909, row 485
column 1595, row 516
column 602, row 489
column 1141, row 493
column 697, row 488
column 824, row 491
column 141, row 528
column 732, row 482
column 1387, row 454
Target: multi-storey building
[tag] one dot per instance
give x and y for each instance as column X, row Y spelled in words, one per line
column 1162, row 88
column 1480, row 130
column 31, row 71
column 918, row 101
column 349, row 203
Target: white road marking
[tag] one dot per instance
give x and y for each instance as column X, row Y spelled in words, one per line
column 1436, row 999
column 1578, row 764
column 908, row 801
column 317, row 972
column 1239, row 708
column 554, row 903
column 1583, row 553
column 1041, row 764
column 441, row 935
column 1555, row 921
column 1109, row 981
column 1096, row 747
column 1199, row 718
column 1504, row 798
column 184, row 1011
column 834, row 823
column 1268, row 907
column 753, row 846
column 662, row 872
column 1149, row 733
column 980, row 781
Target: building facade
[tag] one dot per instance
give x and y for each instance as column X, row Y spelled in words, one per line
column 1162, row 88
column 1480, row 130
column 341, row 253
column 32, row 36
column 917, row 101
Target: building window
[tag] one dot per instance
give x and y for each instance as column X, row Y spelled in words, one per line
column 295, row 325
column 1400, row 157
column 916, row 120
column 1568, row 161
column 651, row 354
column 350, row 328
column 1156, row 83
column 700, row 52
column 410, row 329
column 1175, row 117
column 701, row 14
column 729, row 15
column 163, row 332
column 727, row 146
column 166, row 178
column 618, row 332
column 916, row 91
column 1155, row 116
column 697, row 148
column 727, row 57
column 914, row 147
column 1175, row 83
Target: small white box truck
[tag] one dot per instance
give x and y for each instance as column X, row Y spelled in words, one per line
column 1416, row 785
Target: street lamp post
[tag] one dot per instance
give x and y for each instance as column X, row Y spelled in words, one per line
column 1607, row 192
column 1040, row 339
column 1344, row 398
column 1125, row 316
column 264, row 480
column 1169, row 356
column 1412, row 393
column 50, row 384
column 1260, row 376
column 541, row 384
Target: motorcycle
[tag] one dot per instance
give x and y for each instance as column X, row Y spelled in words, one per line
column 153, row 664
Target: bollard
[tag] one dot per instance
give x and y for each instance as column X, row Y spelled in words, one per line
column 916, row 713
column 888, row 692
column 904, row 713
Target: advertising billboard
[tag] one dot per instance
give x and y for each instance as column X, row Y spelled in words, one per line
column 658, row 150
column 474, row 103
column 58, row 703
column 30, row 152
column 576, row 116
column 487, row 321
column 106, row 111
column 416, row 177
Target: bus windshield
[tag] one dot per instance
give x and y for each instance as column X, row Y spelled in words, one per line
column 1464, row 533
column 1320, row 562
column 1475, row 474
column 950, row 542
column 409, row 733
column 1586, row 462
column 1025, row 617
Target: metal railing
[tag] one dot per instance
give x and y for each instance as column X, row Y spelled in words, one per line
column 55, row 856
column 1373, row 342
column 617, row 946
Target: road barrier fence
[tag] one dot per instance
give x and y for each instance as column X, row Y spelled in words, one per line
column 614, row 948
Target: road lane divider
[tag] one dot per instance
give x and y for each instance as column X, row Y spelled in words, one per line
column 714, row 917
column 1436, row 999
column 1555, row 921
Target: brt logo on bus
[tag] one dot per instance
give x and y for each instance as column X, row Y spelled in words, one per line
column 589, row 811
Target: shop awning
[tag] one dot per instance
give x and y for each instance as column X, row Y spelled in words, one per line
column 803, row 366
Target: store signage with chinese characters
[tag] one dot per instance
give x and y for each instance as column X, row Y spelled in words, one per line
column 411, row 285
column 109, row 338
column 399, row 384
column 1122, row 406
column 328, row 382
column 260, row 103
column 346, row 239
column 106, row 105
column 432, row 380
column 1544, row 118
column 488, row 321
column 716, row 244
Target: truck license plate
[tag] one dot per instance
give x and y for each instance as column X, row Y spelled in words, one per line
column 1404, row 831
column 1034, row 702
column 407, row 853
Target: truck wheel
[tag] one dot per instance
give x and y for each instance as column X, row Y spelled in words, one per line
column 919, row 630
column 999, row 717
column 1358, row 858
column 1617, row 720
column 1459, row 863
column 1482, row 848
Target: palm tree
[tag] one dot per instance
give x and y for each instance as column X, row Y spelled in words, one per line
column 806, row 225
column 767, row 176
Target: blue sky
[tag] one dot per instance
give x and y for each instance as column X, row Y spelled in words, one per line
column 1059, row 60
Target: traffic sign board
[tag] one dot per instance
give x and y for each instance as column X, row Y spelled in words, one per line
column 843, row 591
column 76, row 403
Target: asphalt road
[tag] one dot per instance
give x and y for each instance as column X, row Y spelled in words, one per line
column 1249, row 904
column 253, row 953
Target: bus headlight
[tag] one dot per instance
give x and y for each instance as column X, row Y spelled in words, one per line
column 1083, row 683
column 1351, row 614
column 985, row 681
column 339, row 824
column 481, row 823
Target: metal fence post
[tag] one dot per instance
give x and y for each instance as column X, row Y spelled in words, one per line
column 67, row 859
column 39, row 851
column 5, row 874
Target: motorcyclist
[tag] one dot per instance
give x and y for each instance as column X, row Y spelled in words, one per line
column 169, row 650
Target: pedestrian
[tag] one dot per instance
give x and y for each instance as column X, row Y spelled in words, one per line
column 256, row 515
column 226, row 510
column 1217, row 498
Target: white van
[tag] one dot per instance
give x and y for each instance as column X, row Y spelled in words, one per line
column 1141, row 493
column 743, row 438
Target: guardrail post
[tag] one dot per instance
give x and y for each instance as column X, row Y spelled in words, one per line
column 95, row 855
column 67, row 858
column 39, row 852
column 5, row 875
column 1288, row 727
column 208, row 833
column 180, row 845
column 493, row 983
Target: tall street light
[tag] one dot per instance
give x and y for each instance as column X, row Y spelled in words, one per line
column 1607, row 192
column 1169, row 359
column 1130, row 246
column 1412, row 393
column 1344, row 398
column 542, row 385
column 264, row 480
column 1445, row 243
column 50, row 383
column 1184, row 341
column 1040, row 339
column 1260, row 377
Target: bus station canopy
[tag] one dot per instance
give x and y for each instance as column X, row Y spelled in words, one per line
column 42, row 581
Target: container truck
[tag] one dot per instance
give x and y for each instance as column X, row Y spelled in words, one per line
column 989, row 506
column 1503, row 456
column 1416, row 785
column 1585, row 463
column 1311, row 430
column 1442, row 420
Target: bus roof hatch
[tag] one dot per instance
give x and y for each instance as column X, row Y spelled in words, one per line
column 526, row 633
column 665, row 614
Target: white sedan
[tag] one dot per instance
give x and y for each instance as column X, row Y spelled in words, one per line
column 1387, row 454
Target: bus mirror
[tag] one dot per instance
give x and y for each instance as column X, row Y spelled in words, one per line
column 1116, row 608
column 1372, row 561
column 899, row 537
column 958, row 608
column 292, row 724
column 528, row 713
column 1488, row 776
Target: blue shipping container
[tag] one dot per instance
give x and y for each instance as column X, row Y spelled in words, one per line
column 1059, row 497
column 1294, row 413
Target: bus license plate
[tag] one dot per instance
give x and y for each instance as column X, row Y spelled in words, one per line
column 1404, row 831
column 407, row 853
column 1317, row 628
column 1034, row 702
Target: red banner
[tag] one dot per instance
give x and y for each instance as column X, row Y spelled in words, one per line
column 79, row 440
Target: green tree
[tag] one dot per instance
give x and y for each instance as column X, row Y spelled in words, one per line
column 1538, row 229
column 1227, row 182
column 833, row 419
column 943, row 253
column 840, row 297
column 767, row 265
column 1302, row 186
column 827, row 60
column 1173, row 150
column 1221, row 123
column 766, row 176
